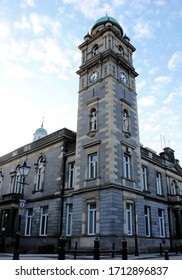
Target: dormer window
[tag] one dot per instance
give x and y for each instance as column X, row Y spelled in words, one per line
column 95, row 50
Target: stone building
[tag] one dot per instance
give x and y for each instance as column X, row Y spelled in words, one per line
column 100, row 181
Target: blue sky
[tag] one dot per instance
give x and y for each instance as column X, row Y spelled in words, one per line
column 39, row 57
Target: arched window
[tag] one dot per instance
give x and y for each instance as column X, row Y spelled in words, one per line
column 174, row 188
column 17, row 181
column 93, row 120
column 95, row 50
column 40, row 170
column 125, row 120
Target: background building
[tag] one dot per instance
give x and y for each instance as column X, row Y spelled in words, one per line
column 99, row 181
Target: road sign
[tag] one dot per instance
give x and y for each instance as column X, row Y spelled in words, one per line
column 22, row 205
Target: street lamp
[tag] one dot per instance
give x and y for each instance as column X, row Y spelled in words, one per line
column 24, row 170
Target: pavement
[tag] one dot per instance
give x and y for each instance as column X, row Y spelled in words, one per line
column 152, row 256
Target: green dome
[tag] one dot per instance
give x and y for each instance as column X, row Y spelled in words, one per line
column 41, row 130
column 106, row 18
column 103, row 20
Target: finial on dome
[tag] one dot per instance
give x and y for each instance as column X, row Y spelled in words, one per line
column 42, row 125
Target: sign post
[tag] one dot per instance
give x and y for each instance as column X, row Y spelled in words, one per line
column 22, row 205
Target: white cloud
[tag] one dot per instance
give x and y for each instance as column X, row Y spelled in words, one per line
column 52, row 58
column 163, row 79
column 14, row 51
column 23, row 24
column 4, row 31
column 167, row 118
column 174, row 96
column 37, row 24
column 153, row 70
column 18, row 72
column 175, row 60
column 142, row 29
column 160, row 2
column 95, row 8
column 170, row 98
column 164, row 121
column 147, row 101
column 35, row 52
column 140, row 85
column 159, row 84
column 27, row 3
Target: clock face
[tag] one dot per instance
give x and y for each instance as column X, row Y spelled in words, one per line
column 94, row 77
column 123, row 78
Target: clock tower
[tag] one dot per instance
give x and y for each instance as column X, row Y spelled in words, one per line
column 107, row 148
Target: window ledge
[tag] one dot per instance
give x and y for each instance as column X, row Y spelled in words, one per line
column 92, row 179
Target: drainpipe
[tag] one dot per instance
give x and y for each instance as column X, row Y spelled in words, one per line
column 169, row 212
column 62, row 184
column 135, row 229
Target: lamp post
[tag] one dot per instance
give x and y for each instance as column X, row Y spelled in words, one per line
column 24, row 170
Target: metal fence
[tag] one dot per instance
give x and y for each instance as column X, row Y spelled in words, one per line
column 95, row 252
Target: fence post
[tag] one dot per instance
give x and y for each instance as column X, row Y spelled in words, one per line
column 61, row 248
column 16, row 248
column 124, row 250
column 166, row 255
column 160, row 249
column 113, row 248
column 76, row 244
column 176, row 248
column 96, row 249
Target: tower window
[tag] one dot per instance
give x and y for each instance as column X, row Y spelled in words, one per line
column 114, row 70
column 83, row 82
column 92, row 166
column 95, row 50
column 127, row 167
column 121, row 51
column 105, row 70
